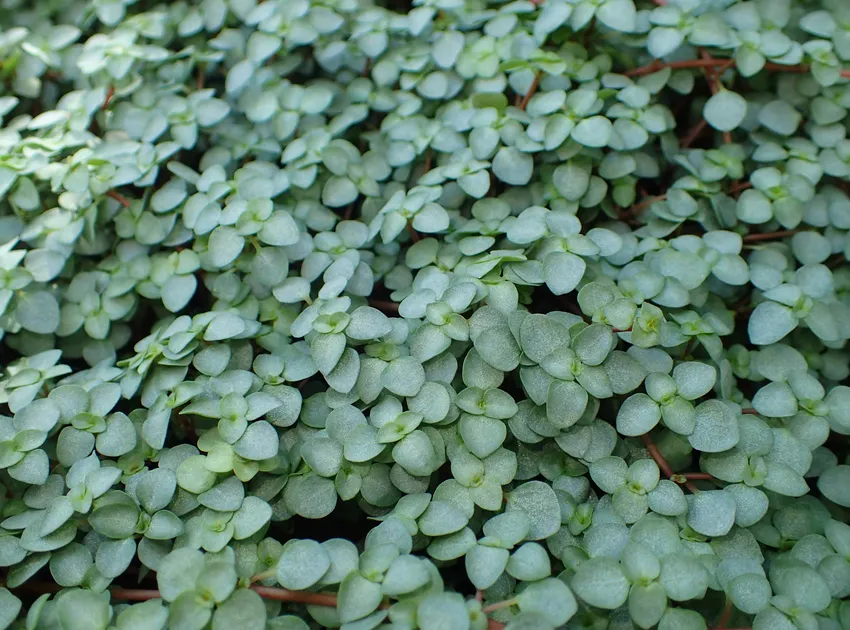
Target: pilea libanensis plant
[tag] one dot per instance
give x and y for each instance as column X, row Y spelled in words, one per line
column 442, row 315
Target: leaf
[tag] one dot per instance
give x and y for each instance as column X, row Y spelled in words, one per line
column 149, row 615
column 716, row 427
column 600, row 582
column 594, row 132
column 224, row 246
column 367, row 323
column 114, row 556
column 711, row 512
column 513, row 167
column 563, row 271
column 38, row 312
column 683, row 577
column 775, row 400
column 694, row 379
column 83, row 610
column 406, row 574
column 484, row 565
column 244, row 610
column 619, row 15
column 770, row 322
column 834, row 483
column 540, row 504
column 404, row 376
column 115, row 520
column 725, row 110
column 310, row 496
column 647, row 604
column 441, row 518
column 638, row 415
column 565, row 403
column 357, row 597
column 10, row 606
column 442, row 610
column 302, row 564
column 780, row 117
column 178, row 572
column 530, row 562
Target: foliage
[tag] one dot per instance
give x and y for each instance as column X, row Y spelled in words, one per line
column 440, row 315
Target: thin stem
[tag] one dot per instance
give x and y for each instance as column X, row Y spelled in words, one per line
column 285, row 595
column 298, row 597
column 769, row 236
column 638, row 208
column 109, row 94
column 698, row 476
column 264, row 575
column 499, row 605
column 662, row 462
column 725, row 615
column 749, row 412
column 117, row 197
column 413, row 233
column 134, row 594
column 712, row 62
column 384, row 305
column 693, row 134
column 737, row 187
column 531, row 90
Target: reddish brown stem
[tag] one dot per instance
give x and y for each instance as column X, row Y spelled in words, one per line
column 383, row 305
column 119, row 198
column 638, row 208
column 737, row 187
column 267, row 592
column 749, row 412
column 662, row 463
column 298, row 597
column 413, row 233
column 109, row 94
column 531, row 90
column 769, row 236
column 698, row 476
column 725, row 615
column 134, row 594
column 713, row 62
column 428, row 157
column 693, row 134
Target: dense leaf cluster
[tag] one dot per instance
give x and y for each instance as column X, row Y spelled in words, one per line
column 448, row 315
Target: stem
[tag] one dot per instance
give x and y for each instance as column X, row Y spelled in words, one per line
column 119, row 198
column 750, row 412
column 262, row 576
column 413, row 233
column 298, row 597
column 700, row 476
column 284, row 595
column 737, row 187
column 640, row 207
column 499, row 605
column 769, row 236
column 109, row 94
column 662, row 463
column 712, row 62
column 384, row 305
column 134, row 594
column 725, row 615
column 693, row 134
column 531, row 90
